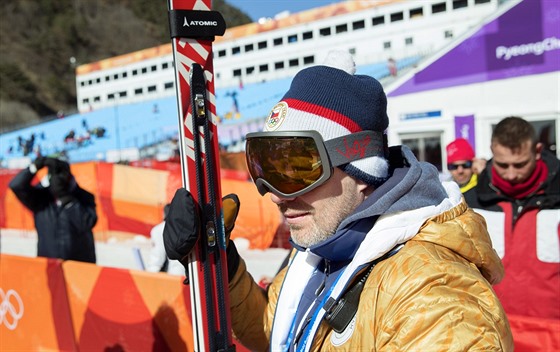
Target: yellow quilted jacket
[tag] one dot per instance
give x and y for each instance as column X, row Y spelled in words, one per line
column 435, row 294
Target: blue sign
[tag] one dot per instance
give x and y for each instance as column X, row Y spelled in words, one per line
column 421, row 115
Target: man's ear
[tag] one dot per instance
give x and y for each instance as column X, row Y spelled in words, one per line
column 538, row 150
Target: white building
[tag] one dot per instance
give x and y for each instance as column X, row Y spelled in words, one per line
column 509, row 66
column 373, row 31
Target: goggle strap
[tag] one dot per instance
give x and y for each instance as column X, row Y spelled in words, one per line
column 355, row 146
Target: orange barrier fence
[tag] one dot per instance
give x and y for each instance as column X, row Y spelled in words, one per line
column 130, row 200
column 72, row 306
column 35, row 313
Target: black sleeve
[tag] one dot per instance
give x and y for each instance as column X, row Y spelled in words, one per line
column 32, row 197
column 88, row 213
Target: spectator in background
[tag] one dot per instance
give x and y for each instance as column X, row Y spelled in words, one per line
column 463, row 166
column 158, row 260
column 64, row 213
column 392, row 66
column 518, row 193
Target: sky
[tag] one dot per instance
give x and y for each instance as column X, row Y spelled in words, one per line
column 268, row 8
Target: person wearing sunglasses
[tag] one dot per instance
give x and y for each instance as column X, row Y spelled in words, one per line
column 462, row 166
column 385, row 256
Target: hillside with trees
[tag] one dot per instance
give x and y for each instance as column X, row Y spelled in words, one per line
column 42, row 42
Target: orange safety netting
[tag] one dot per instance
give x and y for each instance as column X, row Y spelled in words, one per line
column 130, row 200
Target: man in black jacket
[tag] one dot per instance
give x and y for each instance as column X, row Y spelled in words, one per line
column 64, row 213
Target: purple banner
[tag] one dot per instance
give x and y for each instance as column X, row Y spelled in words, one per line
column 464, row 128
column 523, row 41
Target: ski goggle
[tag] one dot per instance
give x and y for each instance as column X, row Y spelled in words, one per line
column 292, row 163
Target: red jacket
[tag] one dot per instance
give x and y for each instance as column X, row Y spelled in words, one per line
column 525, row 233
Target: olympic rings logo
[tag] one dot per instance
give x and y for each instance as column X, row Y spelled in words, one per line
column 11, row 308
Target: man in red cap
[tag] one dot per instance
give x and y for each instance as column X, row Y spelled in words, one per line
column 462, row 165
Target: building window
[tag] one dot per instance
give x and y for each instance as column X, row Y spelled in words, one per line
column 165, row 66
column 415, row 13
column 138, row 91
column 85, row 100
column 153, row 68
column 408, row 41
column 376, row 21
column 134, row 72
column 98, row 79
column 97, row 99
column 235, row 50
column 478, row 2
column 448, row 34
column 293, row 62
column 90, row 82
column 263, row 68
column 250, row 70
column 222, row 53
column 307, row 35
column 144, row 69
column 277, row 41
column 358, row 25
column 279, row 65
column 124, row 75
column 107, row 78
column 111, row 96
column 397, row 16
column 292, row 38
column 237, row 72
column 386, row 45
column 122, row 94
column 248, row 47
column 308, row 60
column 151, row 89
column 437, row 8
column 325, row 32
column 168, row 85
column 116, row 76
column 262, row 45
column 82, row 83
column 352, row 51
column 459, row 4
column 341, row 28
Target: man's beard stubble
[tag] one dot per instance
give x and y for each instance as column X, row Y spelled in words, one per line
column 324, row 222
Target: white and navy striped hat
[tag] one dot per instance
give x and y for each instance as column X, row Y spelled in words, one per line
column 332, row 100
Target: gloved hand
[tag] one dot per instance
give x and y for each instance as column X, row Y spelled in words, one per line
column 182, row 227
column 57, row 166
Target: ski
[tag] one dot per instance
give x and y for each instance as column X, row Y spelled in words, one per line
column 193, row 27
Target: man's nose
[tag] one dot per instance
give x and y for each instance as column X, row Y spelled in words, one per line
column 279, row 200
column 510, row 174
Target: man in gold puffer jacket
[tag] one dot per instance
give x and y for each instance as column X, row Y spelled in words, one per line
column 433, row 295
column 386, row 258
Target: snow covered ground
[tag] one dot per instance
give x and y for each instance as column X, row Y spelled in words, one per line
column 132, row 253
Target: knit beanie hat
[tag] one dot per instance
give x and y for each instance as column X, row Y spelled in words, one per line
column 459, row 150
column 335, row 102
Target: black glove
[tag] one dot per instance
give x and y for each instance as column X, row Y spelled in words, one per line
column 39, row 162
column 182, row 227
column 57, row 166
